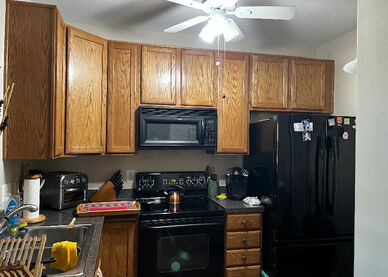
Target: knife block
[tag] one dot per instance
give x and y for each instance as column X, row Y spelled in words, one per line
column 105, row 193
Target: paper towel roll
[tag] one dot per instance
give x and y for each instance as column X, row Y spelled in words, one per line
column 31, row 195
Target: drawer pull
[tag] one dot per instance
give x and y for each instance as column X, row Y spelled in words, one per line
column 244, row 258
column 244, row 222
column 244, row 241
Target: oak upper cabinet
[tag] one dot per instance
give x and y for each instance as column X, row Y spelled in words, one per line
column 118, row 247
column 86, row 93
column 197, row 78
column 159, row 75
column 308, row 85
column 268, row 82
column 123, row 74
column 233, row 115
column 35, row 47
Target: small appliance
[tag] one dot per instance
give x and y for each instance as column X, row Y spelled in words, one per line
column 63, row 189
column 236, row 183
column 162, row 127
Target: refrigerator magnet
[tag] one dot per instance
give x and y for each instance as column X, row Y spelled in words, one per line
column 331, row 122
column 339, row 121
column 345, row 135
column 346, row 121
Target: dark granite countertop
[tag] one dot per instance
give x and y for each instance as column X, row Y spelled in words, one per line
column 237, row 207
column 64, row 217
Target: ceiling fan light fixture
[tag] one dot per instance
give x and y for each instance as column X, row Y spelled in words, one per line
column 213, row 28
column 231, row 31
column 207, row 34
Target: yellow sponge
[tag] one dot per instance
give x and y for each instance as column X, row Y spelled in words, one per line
column 65, row 253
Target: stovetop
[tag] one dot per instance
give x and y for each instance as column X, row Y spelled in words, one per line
column 190, row 206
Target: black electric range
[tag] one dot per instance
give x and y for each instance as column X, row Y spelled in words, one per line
column 185, row 239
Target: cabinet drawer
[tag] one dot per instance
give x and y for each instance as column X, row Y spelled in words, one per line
column 237, row 240
column 237, row 222
column 243, row 257
column 246, row 271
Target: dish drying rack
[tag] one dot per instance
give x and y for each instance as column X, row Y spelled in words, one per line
column 16, row 256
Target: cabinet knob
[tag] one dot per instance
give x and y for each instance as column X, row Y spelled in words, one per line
column 244, row 241
column 244, row 222
column 223, row 96
column 244, row 258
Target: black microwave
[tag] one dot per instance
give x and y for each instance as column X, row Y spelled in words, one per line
column 177, row 127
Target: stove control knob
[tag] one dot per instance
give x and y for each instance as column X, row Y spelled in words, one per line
column 164, row 181
column 142, row 182
column 201, row 180
column 195, row 181
column 181, row 181
column 189, row 182
column 151, row 183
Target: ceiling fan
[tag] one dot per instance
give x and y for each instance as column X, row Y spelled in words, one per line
column 219, row 22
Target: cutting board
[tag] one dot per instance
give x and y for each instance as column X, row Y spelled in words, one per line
column 108, row 208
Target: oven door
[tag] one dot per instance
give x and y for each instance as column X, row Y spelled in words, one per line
column 156, row 131
column 189, row 247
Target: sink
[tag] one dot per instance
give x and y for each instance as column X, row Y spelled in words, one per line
column 81, row 233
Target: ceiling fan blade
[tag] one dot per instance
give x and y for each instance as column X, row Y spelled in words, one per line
column 266, row 12
column 186, row 24
column 190, row 3
column 231, row 31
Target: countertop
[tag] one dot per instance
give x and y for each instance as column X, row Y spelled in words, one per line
column 237, row 207
column 64, row 217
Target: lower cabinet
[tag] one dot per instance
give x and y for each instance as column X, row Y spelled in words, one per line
column 117, row 254
column 243, row 245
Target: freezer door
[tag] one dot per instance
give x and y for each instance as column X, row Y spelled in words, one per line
column 321, row 259
column 300, row 190
column 340, row 182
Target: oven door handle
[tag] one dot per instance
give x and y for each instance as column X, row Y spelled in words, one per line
column 153, row 225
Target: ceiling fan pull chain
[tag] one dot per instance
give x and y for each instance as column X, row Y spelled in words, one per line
column 218, row 51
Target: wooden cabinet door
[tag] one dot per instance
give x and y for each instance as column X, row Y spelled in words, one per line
column 29, row 63
column 197, row 83
column 123, row 71
column 233, row 116
column 118, row 247
column 308, row 84
column 60, row 88
column 158, row 82
column 269, row 82
column 86, row 93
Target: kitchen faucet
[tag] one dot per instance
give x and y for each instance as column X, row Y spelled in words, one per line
column 5, row 219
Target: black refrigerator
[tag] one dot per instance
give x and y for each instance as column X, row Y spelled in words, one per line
column 302, row 167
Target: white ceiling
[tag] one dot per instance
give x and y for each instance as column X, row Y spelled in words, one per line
column 316, row 22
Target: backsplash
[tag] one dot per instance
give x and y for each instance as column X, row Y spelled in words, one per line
column 99, row 169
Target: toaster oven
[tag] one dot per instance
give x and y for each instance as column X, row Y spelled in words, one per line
column 63, row 189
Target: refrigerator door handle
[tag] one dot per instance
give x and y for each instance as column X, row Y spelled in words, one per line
column 319, row 177
column 331, row 181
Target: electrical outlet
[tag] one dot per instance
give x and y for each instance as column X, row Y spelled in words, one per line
column 130, row 175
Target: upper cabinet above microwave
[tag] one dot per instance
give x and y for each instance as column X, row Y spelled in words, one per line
column 177, row 77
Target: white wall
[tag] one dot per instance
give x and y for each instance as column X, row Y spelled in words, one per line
column 191, row 40
column 371, row 231
column 99, row 169
column 342, row 49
